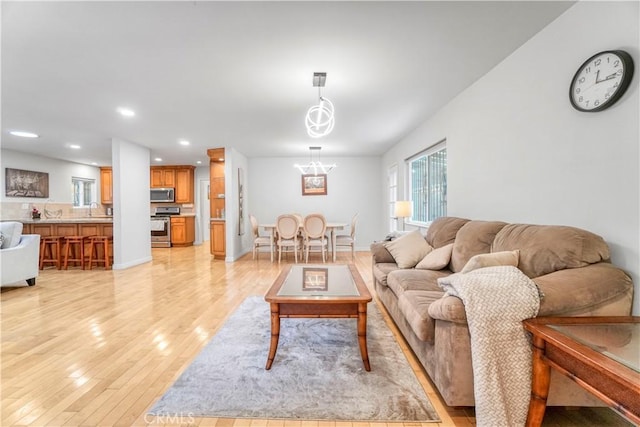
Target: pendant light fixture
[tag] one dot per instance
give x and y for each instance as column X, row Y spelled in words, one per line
column 314, row 167
column 320, row 118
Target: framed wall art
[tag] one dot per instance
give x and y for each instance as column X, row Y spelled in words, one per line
column 314, row 185
column 24, row 183
column 240, row 202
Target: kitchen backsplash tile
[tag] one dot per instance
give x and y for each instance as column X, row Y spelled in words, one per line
column 20, row 210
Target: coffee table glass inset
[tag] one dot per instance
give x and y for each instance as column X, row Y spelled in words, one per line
column 617, row 341
column 330, row 291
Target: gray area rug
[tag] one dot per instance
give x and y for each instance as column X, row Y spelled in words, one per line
column 317, row 373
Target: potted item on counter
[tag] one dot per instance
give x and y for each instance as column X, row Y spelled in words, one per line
column 35, row 214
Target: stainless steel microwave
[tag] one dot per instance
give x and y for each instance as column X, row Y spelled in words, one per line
column 163, row 195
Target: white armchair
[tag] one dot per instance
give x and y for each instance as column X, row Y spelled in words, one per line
column 20, row 262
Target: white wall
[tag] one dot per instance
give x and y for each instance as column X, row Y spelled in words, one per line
column 274, row 187
column 518, row 152
column 60, row 174
column 131, row 206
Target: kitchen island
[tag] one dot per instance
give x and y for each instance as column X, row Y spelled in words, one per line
column 84, row 226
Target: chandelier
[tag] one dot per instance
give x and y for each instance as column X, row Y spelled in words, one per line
column 314, row 167
column 320, row 119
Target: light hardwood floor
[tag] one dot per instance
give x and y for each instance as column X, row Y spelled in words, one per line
column 100, row 347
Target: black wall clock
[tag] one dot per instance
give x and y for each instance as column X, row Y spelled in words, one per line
column 601, row 80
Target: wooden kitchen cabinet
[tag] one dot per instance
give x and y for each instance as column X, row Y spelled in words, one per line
column 218, row 242
column 178, row 177
column 95, row 229
column 217, row 201
column 184, row 177
column 183, row 230
column 163, row 176
column 70, row 228
column 106, row 186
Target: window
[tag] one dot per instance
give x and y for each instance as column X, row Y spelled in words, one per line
column 392, row 179
column 84, row 192
column 428, row 184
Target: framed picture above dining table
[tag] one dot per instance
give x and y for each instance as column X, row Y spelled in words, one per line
column 314, row 185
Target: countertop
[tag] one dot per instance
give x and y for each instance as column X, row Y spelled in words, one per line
column 97, row 218
column 85, row 219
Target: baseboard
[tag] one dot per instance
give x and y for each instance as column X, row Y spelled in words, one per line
column 123, row 266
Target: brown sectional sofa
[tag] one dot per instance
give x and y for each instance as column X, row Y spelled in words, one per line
column 570, row 266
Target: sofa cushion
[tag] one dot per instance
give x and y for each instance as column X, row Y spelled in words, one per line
column 437, row 259
column 382, row 270
column 491, row 259
column 12, row 231
column 548, row 248
column 409, row 249
column 380, row 253
column 596, row 290
column 473, row 238
column 414, row 306
column 442, row 231
column 448, row 308
column 400, row 281
column 567, row 293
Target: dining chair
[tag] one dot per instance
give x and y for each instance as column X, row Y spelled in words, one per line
column 300, row 219
column 258, row 240
column 314, row 231
column 287, row 229
column 349, row 239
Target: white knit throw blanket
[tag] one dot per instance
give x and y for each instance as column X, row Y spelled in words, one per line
column 496, row 300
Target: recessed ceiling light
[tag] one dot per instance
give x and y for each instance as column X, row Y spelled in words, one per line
column 184, row 142
column 94, row 163
column 74, row 146
column 23, row 134
column 158, row 159
column 199, row 162
column 126, row 112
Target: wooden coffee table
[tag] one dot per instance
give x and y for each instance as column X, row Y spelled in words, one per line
column 333, row 291
column 601, row 354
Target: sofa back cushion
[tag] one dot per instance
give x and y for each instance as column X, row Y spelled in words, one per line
column 12, row 231
column 473, row 238
column 548, row 248
column 492, row 259
column 409, row 249
column 442, row 231
column 437, row 259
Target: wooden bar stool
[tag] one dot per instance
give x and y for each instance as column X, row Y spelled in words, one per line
column 51, row 251
column 95, row 244
column 74, row 246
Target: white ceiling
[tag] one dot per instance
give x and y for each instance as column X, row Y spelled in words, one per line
column 239, row 74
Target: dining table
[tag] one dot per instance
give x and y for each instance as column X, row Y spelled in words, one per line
column 332, row 226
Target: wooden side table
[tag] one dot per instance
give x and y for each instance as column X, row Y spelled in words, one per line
column 601, row 354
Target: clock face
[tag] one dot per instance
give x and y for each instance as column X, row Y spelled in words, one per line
column 601, row 80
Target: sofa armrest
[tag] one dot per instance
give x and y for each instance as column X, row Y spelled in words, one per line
column 595, row 290
column 380, row 253
column 448, row 308
column 20, row 262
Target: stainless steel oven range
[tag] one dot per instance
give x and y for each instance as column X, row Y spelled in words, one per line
column 161, row 226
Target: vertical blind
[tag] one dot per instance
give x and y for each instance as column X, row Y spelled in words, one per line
column 428, row 184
